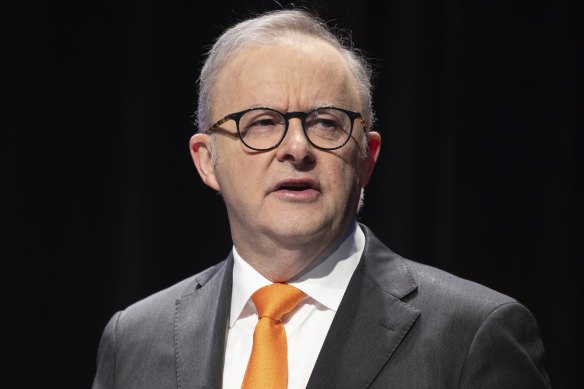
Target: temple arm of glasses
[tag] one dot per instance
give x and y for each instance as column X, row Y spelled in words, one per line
column 214, row 126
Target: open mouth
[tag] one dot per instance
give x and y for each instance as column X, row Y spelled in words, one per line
column 296, row 186
column 297, row 189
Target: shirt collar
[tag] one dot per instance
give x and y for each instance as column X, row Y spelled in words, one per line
column 246, row 280
column 325, row 282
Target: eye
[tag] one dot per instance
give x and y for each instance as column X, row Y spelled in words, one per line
column 323, row 122
column 327, row 124
column 261, row 123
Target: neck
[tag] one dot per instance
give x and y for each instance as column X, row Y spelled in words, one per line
column 282, row 261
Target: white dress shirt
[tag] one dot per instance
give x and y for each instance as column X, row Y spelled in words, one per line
column 306, row 326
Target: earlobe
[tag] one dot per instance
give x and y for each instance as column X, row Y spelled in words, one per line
column 373, row 149
column 200, row 146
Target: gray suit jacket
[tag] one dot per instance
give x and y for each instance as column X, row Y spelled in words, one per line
column 400, row 324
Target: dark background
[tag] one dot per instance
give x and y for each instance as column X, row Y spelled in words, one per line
column 479, row 105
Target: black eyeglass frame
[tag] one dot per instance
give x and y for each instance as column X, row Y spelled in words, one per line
column 287, row 116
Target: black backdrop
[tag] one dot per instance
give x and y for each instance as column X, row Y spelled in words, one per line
column 479, row 106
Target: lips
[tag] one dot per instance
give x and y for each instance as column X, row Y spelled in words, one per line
column 296, row 185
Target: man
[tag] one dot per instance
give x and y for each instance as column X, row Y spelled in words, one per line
column 285, row 136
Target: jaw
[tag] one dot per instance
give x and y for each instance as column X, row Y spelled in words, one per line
column 293, row 239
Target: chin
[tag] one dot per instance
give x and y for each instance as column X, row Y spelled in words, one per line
column 301, row 229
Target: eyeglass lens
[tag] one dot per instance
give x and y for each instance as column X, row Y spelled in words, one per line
column 264, row 128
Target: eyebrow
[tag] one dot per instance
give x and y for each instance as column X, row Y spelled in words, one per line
column 310, row 108
column 325, row 105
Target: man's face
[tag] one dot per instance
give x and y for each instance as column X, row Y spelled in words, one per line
column 295, row 194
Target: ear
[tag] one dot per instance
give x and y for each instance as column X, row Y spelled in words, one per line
column 373, row 149
column 200, row 146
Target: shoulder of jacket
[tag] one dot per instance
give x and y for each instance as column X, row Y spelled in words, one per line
column 162, row 303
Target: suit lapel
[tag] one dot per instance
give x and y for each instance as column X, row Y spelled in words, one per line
column 201, row 317
column 370, row 323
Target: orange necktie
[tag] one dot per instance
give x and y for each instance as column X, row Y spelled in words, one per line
column 268, row 364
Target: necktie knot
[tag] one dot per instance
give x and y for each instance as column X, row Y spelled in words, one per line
column 276, row 300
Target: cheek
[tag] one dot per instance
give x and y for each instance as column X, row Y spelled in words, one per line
column 241, row 175
column 345, row 178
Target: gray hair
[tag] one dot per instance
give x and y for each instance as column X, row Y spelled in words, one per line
column 273, row 26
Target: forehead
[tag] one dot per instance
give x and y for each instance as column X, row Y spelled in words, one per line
column 289, row 75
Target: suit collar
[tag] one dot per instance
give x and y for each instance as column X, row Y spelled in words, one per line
column 371, row 322
column 385, row 268
column 201, row 316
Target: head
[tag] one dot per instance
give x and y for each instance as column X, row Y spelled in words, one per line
column 295, row 196
column 279, row 26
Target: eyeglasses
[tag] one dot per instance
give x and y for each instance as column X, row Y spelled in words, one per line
column 263, row 129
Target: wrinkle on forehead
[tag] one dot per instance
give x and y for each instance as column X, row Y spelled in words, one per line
column 289, row 75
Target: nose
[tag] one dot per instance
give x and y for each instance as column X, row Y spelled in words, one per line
column 295, row 148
